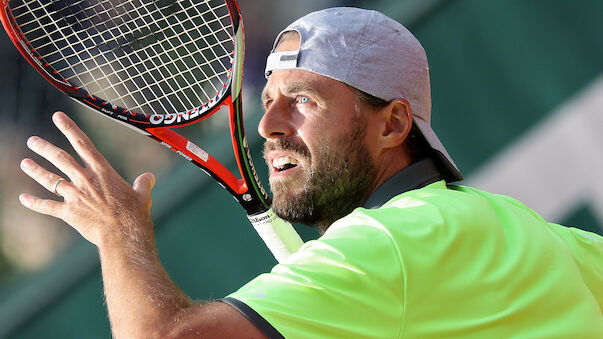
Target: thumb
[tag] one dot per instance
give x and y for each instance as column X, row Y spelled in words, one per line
column 144, row 183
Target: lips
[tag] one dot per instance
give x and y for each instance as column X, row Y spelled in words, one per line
column 283, row 163
column 284, row 156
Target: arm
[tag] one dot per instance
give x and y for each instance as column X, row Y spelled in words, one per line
column 143, row 302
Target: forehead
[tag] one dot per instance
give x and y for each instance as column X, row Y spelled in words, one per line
column 296, row 81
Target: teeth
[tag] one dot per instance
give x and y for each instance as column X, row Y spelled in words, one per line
column 283, row 162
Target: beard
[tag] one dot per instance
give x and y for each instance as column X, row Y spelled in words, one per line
column 338, row 181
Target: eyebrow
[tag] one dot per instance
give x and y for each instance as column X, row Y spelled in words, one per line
column 293, row 88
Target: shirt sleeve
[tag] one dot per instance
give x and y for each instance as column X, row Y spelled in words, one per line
column 347, row 284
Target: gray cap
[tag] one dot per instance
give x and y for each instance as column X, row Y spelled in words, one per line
column 370, row 52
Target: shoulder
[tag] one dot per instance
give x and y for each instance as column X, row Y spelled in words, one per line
column 434, row 206
column 440, row 205
column 441, row 225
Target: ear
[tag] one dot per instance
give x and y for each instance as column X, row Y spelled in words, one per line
column 395, row 124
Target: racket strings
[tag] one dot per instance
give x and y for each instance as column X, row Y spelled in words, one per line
column 153, row 71
column 150, row 56
column 167, row 78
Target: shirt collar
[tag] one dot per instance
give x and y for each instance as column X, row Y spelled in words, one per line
column 417, row 175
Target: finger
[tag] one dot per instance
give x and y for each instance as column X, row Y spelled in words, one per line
column 144, row 183
column 46, row 178
column 57, row 156
column 44, row 206
column 79, row 140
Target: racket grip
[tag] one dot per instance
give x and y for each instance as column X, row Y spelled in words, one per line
column 279, row 235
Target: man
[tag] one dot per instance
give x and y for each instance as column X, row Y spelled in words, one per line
column 350, row 150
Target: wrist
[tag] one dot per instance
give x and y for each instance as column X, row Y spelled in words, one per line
column 131, row 238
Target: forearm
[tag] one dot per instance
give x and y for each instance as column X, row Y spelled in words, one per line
column 142, row 300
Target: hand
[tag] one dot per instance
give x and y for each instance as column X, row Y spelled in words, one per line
column 97, row 201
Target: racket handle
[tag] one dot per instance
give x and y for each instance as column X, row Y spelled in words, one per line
column 280, row 236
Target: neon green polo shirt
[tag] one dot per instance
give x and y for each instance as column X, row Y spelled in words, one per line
column 436, row 262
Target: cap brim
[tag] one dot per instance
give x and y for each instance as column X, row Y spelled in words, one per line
column 449, row 169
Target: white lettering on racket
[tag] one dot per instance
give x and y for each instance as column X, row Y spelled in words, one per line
column 198, row 151
column 104, row 110
column 168, row 119
column 185, row 156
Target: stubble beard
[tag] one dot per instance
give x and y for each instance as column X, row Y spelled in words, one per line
column 338, row 182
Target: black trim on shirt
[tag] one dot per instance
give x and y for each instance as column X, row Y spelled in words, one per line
column 253, row 316
column 417, row 175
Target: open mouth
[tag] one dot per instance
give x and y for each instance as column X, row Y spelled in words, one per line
column 284, row 163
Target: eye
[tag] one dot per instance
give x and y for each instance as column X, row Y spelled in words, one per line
column 303, row 99
column 267, row 104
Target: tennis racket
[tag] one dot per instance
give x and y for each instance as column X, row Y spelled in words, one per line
column 153, row 65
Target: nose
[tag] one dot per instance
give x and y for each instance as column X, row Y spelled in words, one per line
column 276, row 121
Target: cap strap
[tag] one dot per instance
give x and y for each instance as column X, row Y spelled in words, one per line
column 281, row 60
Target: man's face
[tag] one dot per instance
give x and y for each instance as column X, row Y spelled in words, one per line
column 320, row 165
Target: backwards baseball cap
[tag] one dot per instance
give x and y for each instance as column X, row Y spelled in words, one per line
column 370, row 52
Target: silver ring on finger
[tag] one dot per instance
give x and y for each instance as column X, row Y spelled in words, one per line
column 55, row 185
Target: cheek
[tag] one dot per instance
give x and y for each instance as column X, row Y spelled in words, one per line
column 371, row 145
column 325, row 131
column 311, row 133
column 371, row 137
column 325, row 145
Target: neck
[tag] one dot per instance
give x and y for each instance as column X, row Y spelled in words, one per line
column 389, row 165
column 417, row 175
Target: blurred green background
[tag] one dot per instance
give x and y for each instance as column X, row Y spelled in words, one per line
column 517, row 100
